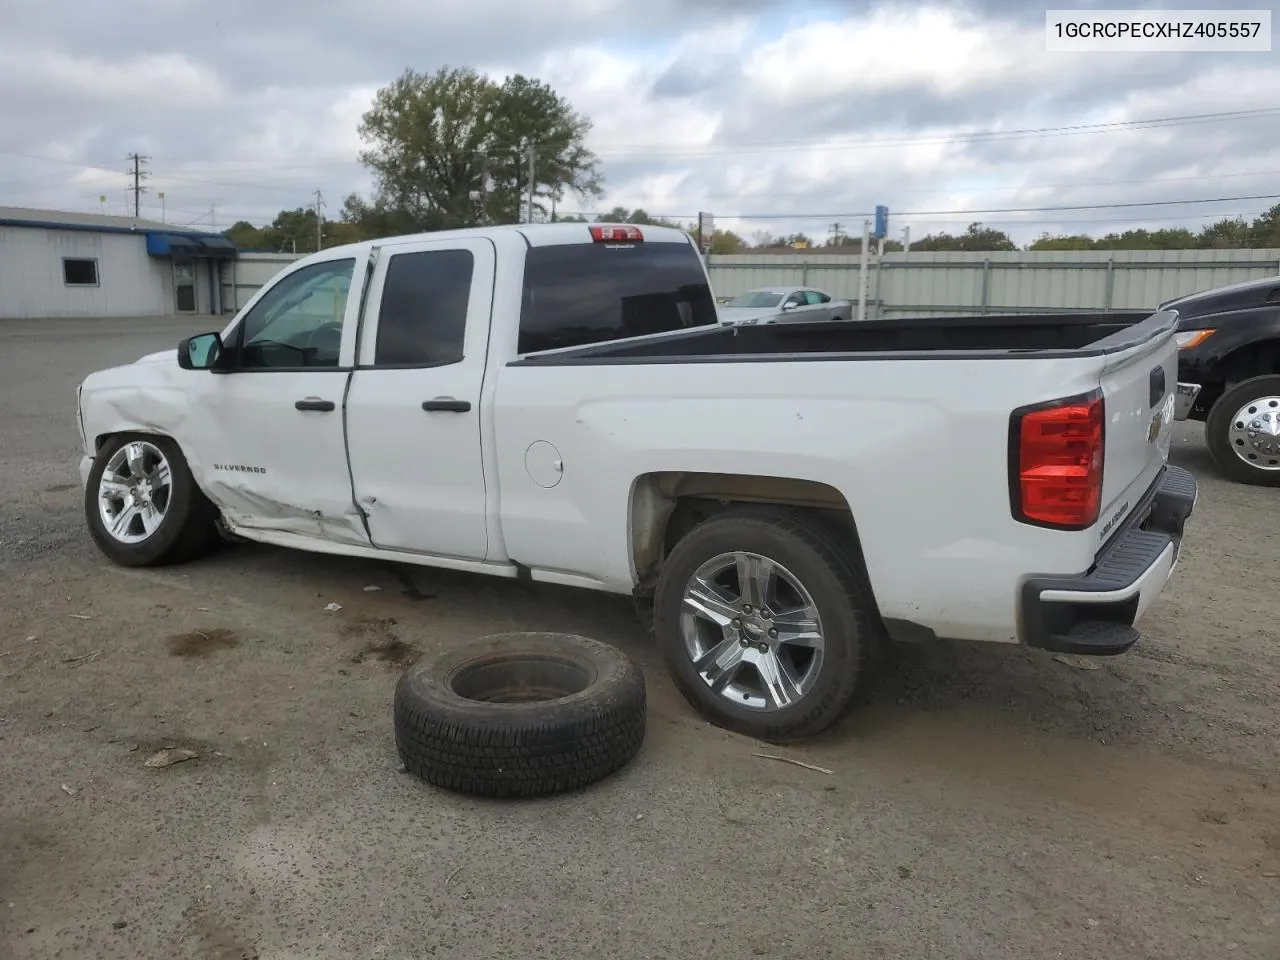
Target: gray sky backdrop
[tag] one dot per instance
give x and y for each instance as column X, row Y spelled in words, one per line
column 789, row 115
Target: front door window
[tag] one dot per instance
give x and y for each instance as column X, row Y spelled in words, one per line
column 298, row 322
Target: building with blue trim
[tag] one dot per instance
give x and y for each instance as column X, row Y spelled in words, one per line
column 59, row 264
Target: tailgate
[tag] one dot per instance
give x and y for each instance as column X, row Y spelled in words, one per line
column 1138, row 390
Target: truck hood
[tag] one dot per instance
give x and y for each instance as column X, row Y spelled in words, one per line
column 1237, row 296
column 160, row 356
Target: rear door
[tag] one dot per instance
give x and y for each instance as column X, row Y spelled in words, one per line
column 1138, row 389
column 413, row 413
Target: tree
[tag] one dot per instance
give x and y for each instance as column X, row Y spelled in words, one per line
column 726, row 242
column 1265, row 230
column 453, row 148
column 1229, row 233
column 1073, row 242
column 976, row 237
column 640, row 218
column 244, row 235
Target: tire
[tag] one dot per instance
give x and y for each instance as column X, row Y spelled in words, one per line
column 185, row 529
column 1227, row 431
column 810, row 555
column 520, row 715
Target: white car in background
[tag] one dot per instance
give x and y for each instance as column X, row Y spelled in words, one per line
column 784, row 305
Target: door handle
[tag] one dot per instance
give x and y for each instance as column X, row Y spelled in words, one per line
column 446, row 405
column 311, row 403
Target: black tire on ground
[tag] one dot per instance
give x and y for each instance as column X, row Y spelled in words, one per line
column 1218, row 425
column 187, row 530
column 827, row 568
column 520, row 715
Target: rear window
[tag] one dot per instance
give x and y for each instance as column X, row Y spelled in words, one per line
column 581, row 293
column 755, row 300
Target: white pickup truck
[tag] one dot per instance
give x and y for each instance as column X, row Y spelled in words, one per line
column 558, row 403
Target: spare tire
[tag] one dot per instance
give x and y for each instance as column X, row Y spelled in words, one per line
column 520, row 715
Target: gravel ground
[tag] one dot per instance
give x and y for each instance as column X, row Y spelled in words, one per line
column 992, row 803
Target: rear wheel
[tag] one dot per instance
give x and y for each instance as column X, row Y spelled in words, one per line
column 1243, row 431
column 766, row 624
column 142, row 505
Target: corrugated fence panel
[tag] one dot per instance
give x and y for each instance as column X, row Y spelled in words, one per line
column 938, row 284
column 933, row 284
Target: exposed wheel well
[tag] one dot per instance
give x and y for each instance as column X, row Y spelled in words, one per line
column 666, row 506
column 1243, row 363
column 102, row 438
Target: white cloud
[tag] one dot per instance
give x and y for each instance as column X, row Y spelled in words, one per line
column 711, row 107
column 945, row 49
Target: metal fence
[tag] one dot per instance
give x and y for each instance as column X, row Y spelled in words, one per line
column 935, row 284
column 1060, row 281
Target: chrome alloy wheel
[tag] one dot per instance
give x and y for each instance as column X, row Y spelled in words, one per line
column 752, row 631
column 134, row 492
column 1255, row 433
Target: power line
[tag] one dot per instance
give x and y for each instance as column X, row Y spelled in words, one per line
column 711, row 149
column 1026, row 187
column 962, row 212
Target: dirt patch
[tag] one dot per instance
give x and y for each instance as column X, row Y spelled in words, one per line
column 201, row 643
column 379, row 641
column 395, row 652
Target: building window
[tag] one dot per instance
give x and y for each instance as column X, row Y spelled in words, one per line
column 79, row 273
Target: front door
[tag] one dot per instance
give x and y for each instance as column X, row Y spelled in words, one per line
column 184, row 286
column 272, row 432
column 413, row 413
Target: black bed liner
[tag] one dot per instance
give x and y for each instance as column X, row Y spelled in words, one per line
column 921, row 338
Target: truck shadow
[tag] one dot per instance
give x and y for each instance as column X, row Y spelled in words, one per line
column 1121, row 699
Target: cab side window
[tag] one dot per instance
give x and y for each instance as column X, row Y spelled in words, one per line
column 298, row 322
column 422, row 320
column 813, row 298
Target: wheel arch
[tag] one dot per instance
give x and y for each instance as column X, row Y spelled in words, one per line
column 197, row 474
column 666, row 505
column 100, row 440
column 1259, row 358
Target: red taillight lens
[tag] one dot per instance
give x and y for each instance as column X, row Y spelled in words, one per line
column 1058, row 459
column 616, row 234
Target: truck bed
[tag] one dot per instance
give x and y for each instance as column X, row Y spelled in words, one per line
column 987, row 337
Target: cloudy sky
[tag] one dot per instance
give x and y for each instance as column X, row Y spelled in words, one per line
column 774, row 115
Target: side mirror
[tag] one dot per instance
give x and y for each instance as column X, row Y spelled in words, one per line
column 200, row 352
column 789, row 306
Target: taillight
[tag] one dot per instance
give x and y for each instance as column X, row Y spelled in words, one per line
column 616, row 234
column 1055, row 462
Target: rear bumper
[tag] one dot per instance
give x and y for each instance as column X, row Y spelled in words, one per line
column 1185, row 399
column 1095, row 612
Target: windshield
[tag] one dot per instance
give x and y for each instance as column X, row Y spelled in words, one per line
column 755, row 299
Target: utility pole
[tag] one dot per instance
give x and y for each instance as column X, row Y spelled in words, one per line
column 319, row 204
column 483, row 218
column 138, row 174
column 213, row 217
column 862, row 270
column 837, row 235
column 162, row 210
column 533, row 156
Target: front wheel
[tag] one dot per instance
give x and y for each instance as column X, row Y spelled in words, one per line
column 765, row 622
column 1243, row 432
column 142, row 505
